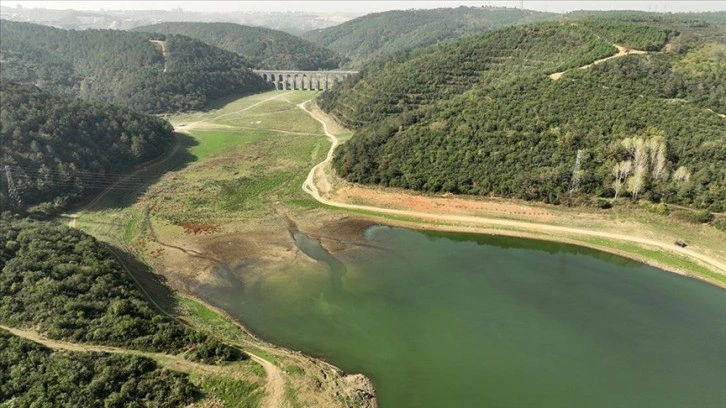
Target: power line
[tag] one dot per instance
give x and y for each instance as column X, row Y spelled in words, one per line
column 27, row 178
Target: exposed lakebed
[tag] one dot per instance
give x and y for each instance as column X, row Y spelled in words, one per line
column 442, row 319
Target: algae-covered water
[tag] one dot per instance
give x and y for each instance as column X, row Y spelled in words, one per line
column 453, row 320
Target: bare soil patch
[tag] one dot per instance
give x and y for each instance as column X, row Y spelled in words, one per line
column 445, row 204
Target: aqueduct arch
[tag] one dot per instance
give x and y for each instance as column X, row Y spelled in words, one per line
column 307, row 80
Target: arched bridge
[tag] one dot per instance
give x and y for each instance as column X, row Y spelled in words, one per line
column 305, row 80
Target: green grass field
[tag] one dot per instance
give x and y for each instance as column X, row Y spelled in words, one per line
column 213, row 142
column 242, row 173
column 236, row 163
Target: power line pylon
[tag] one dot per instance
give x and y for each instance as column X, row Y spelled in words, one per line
column 12, row 190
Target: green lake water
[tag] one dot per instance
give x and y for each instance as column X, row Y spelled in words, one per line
column 454, row 320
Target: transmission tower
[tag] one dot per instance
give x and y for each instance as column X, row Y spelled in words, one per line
column 575, row 180
column 12, row 190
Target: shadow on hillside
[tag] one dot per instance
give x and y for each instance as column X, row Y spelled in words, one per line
column 132, row 187
column 153, row 285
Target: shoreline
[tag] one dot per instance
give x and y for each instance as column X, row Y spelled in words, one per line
column 547, row 238
column 359, row 385
column 547, row 232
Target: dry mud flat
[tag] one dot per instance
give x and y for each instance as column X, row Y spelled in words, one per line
column 189, row 260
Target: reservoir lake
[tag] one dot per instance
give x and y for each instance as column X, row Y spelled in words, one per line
column 459, row 320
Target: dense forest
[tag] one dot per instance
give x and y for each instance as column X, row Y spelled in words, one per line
column 641, row 126
column 32, row 375
column 387, row 33
column 59, row 149
column 404, row 83
column 129, row 69
column 66, row 285
column 261, row 48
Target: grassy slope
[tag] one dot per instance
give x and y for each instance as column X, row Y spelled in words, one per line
column 207, row 162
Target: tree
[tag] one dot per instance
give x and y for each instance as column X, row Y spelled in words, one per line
column 621, row 172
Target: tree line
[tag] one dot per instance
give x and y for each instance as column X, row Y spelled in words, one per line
column 408, row 81
column 380, row 35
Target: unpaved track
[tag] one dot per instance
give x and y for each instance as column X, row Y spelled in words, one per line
column 275, row 387
column 177, row 362
column 622, row 51
column 310, row 188
column 275, row 383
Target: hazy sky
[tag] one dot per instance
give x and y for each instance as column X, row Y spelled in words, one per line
column 369, row 6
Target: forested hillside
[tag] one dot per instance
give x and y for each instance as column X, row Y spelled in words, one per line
column 644, row 126
column 406, row 82
column 109, row 66
column 261, row 48
column 382, row 34
column 66, row 285
column 33, row 375
column 60, row 149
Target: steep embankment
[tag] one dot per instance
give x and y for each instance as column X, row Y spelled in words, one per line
column 383, row 34
column 261, row 48
column 505, row 128
column 122, row 67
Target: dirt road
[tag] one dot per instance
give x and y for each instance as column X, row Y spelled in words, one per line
column 275, row 387
column 310, row 188
column 175, row 362
column 622, row 51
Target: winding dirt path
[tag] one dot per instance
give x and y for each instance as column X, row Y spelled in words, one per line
column 275, row 387
column 622, row 51
column 310, row 188
column 174, row 361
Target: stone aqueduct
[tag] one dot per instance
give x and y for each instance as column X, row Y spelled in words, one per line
column 303, row 80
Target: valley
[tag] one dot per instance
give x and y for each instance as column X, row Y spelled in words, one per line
column 498, row 207
column 217, row 250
